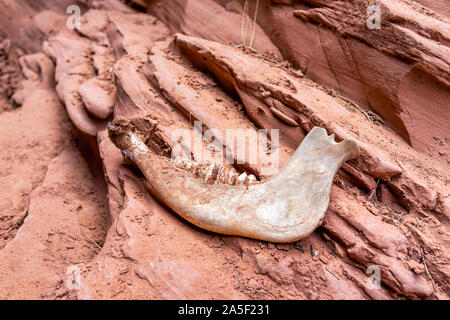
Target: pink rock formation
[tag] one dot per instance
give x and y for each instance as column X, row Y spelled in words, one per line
column 70, row 203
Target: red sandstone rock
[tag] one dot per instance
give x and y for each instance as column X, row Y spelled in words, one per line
column 80, row 205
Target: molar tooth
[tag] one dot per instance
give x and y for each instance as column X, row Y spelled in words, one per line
column 224, row 177
column 251, row 179
column 219, row 176
column 202, row 172
column 241, row 178
column 232, row 177
column 209, row 170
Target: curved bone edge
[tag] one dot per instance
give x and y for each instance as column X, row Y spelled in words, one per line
column 285, row 208
column 372, row 161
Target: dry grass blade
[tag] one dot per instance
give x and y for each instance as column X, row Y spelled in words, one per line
column 246, row 21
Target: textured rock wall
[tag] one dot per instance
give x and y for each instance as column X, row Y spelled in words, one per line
column 389, row 208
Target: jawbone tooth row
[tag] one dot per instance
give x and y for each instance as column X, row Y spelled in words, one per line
column 241, row 178
column 212, row 173
column 284, row 208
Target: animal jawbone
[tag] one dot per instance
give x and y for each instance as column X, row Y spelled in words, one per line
column 284, row 208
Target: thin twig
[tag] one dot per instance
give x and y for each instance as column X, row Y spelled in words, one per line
column 426, row 268
column 332, row 274
column 246, row 21
column 354, row 105
column 254, row 24
column 374, row 190
column 243, row 20
column 93, row 241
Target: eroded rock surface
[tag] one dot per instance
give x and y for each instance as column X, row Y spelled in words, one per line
column 389, row 208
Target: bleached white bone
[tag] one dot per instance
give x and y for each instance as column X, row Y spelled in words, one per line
column 287, row 207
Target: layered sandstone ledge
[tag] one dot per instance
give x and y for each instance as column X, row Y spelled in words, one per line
column 74, row 202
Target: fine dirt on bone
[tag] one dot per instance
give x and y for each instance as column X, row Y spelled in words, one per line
column 68, row 202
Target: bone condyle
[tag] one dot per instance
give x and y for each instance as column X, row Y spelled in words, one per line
column 284, row 208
